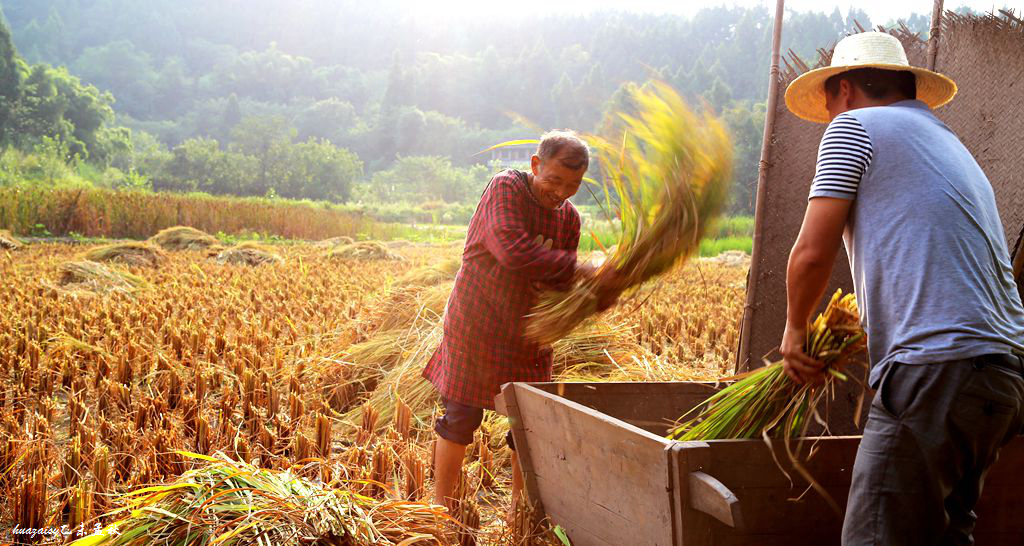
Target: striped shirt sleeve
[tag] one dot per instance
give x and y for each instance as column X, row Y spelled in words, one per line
column 843, row 157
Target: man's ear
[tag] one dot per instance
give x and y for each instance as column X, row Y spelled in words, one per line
column 848, row 93
column 535, row 164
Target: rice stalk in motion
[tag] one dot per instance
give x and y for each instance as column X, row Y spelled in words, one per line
column 669, row 168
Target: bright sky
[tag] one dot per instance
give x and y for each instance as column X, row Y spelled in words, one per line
column 880, row 11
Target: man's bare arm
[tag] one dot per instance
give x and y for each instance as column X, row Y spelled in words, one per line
column 807, row 275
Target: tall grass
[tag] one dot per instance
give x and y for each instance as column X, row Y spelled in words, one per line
column 98, row 212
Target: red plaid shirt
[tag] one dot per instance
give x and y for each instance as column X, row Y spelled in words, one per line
column 483, row 345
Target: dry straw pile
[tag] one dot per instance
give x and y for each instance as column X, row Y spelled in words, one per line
column 248, row 253
column 96, row 277
column 130, row 254
column 365, row 250
column 9, row 241
column 183, row 238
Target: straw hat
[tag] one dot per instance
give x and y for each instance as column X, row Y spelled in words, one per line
column 805, row 96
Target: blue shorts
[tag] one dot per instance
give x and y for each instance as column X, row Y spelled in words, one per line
column 460, row 421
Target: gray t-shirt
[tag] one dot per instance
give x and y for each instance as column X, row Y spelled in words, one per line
column 930, row 263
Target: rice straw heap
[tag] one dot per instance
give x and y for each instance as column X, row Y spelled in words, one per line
column 670, row 170
column 765, row 402
column 183, row 238
column 248, row 253
column 9, row 241
column 132, row 253
column 230, row 502
column 365, row 250
column 98, row 278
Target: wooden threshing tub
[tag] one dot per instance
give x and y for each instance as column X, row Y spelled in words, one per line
column 595, row 461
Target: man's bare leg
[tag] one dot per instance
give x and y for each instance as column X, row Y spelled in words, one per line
column 448, row 459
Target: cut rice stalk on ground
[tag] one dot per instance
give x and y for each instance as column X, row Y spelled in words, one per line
column 9, row 241
column 235, row 503
column 88, row 275
column 248, row 253
column 183, row 238
column 334, row 241
column 431, row 274
column 131, row 253
column 365, row 250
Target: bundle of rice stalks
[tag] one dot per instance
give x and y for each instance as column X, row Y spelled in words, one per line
column 364, row 250
column 183, row 238
column 765, row 402
column 405, row 380
column 402, row 308
column 8, row 241
column 334, row 241
column 130, row 253
column 592, row 352
column 248, row 253
column 431, row 274
column 670, row 169
column 230, row 502
column 97, row 277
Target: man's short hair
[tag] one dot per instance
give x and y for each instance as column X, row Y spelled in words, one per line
column 567, row 146
column 876, row 83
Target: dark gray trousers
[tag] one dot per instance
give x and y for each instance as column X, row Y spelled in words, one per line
column 932, row 433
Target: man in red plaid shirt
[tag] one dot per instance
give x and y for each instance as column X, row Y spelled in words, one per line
column 523, row 235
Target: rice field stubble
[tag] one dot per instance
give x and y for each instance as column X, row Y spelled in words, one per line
column 310, row 365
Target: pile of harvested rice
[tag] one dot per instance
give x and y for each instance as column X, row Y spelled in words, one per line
column 235, row 503
column 334, row 241
column 97, row 277
column 183, row 238
column 8, row 241
column 365, row 250
column 248, row 253
column 431, row 274
column 130, row 253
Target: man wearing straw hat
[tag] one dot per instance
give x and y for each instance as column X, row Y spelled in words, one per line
column 933, row 279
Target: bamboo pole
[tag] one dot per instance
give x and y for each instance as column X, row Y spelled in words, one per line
column 933, row 34
column 742, row 362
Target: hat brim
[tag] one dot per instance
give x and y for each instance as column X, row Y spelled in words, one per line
column 805, row 96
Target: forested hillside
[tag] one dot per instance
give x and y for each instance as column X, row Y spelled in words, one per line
column 325, row 99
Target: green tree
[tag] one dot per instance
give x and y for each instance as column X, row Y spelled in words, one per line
column 266, row 139
column 316, row 169
column 200, row 164
column 327, row 119
column 422, row 179
column 124, row 70
column 10, row 78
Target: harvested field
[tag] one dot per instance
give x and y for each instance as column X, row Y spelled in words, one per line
column 305, row 372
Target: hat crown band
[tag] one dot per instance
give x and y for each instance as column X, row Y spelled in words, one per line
column 869, row 48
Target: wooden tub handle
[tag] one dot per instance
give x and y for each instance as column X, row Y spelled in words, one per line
column 712, row 497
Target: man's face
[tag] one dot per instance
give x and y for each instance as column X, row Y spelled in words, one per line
column 553, row 182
